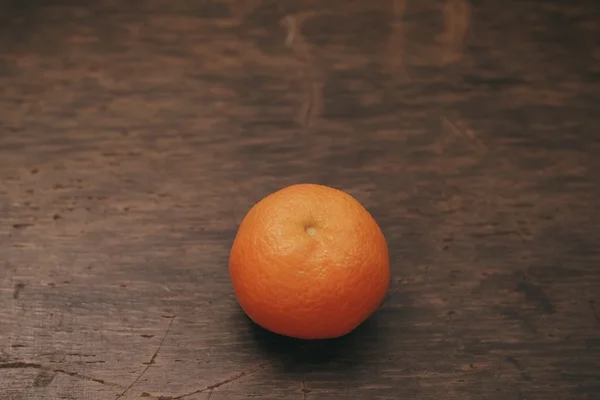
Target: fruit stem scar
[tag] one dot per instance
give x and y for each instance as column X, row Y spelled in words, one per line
column 311, row 230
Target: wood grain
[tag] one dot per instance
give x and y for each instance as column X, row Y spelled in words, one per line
column 134, row 136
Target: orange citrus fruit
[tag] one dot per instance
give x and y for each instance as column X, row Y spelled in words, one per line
column 310, row 262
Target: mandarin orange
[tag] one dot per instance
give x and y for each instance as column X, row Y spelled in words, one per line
column 309, row 261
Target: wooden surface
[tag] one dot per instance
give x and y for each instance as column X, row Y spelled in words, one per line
column 135, row 135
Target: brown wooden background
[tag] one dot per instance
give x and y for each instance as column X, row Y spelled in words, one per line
column 135, row 135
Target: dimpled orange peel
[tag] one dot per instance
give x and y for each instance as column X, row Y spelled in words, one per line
column 310, row 262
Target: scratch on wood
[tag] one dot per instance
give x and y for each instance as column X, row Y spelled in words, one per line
column 165, row 288
column 152, row 359
column 313, row 103
column 25, row 365
column 210, row 394
column 292, row 29
column 457, row 17
column 213, row 386
column 304, row 391
column 84, row 377
column 464, row 132
column 397, row 38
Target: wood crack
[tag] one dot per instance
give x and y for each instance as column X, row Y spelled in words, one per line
column 20, row 364
column 152, row 359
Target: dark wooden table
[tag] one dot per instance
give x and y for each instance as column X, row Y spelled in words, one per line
column 135, row 135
